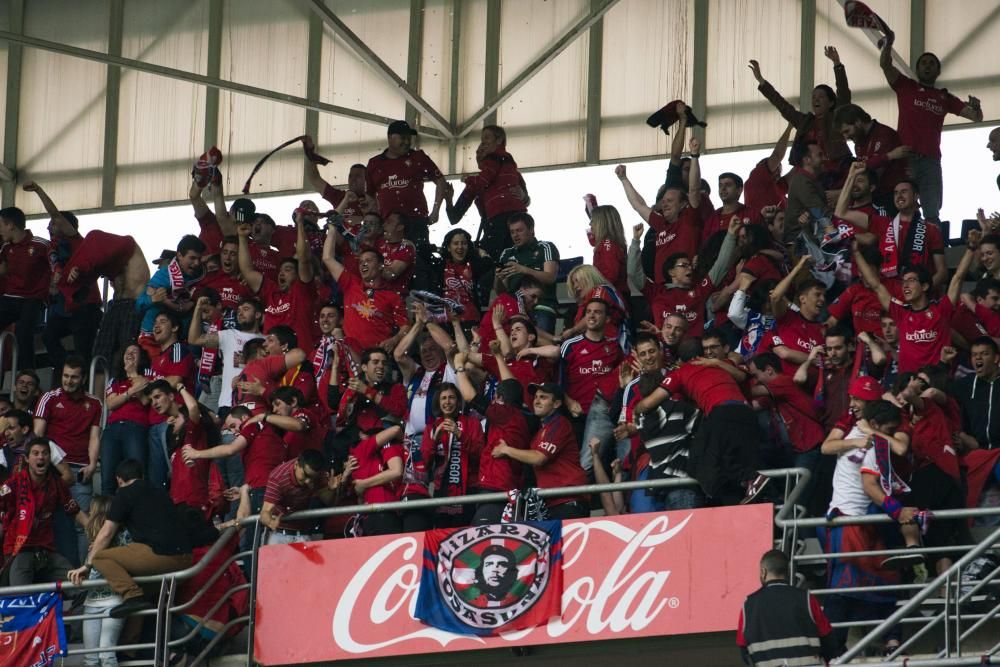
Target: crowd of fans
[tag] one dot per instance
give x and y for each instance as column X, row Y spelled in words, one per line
column 810, row 320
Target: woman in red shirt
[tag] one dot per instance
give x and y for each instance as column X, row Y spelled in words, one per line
column 450, row 449
column 607, row 235
column 463, row 274
column 124, row 435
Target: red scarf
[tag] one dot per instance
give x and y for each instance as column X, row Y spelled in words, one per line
column 23, row 518
column 209, row 354
column 449, row 462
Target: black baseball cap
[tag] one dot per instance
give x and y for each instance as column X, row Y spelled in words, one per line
column 401, row 127
column 550, row 388
column 243, row 210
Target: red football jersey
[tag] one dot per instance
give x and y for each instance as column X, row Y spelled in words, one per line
column 922, row 333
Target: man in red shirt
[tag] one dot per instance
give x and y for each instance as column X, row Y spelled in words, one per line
column 398, row 254
column 924, row 325
column 765, row 186
column 793, row 415
column 797, row 328
column 521, row 302
column 227, row 281
column 290, row 300
column 374, row 316
column 24, row 272
column 922, row 109
column 360, row 204
column 291, row 487
column 188, row 481
column 28, row 502
column 553, row 453
column 71, row 418
column 879, row 147
column 730, row 191
column 728, row 451
column 396, row 177
column 676, row 221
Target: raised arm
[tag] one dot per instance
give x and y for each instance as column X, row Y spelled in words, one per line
column 973, row 110
column 195, row 335
column 226, row 221
column 634, row 198
column 677, row 143
column 778, row 154
column 62, row 224
column 779, row 305
column 312, row 169
column 871, row 276
column 694, row 175
column 329, row 256
column 784, row 107
column 839, row 75
column 302, row 253
column 633, row 260
column 252, row 276
column 406, row 364
column 197, row 201
column 955, row 286
column 885, row 59
column 843, row 207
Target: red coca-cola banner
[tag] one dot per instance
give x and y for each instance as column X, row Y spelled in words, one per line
column 641, row 575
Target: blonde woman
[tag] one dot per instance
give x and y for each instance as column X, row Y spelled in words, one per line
column 607, row 235
column 584, row 283
column 101, row 632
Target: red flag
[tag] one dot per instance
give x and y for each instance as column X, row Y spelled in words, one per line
column 860, row 15
column 31, row 629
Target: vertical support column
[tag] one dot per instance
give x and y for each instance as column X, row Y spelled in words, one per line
column 314, row 70
column 492, row 84
column 414, row 54
column 456, row 54
column 13, row 93
column 807, row 54
column 215, row 9
column 595, row 63
column 109, row 169
column 918, row 23
column 699, row 81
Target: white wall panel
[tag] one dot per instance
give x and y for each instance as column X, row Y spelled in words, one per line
column 61, row 132
column 154, row 166
column 647, row 63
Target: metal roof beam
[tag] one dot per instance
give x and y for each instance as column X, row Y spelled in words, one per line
column 595, row 65
column 13, row 110
column 212, row 82
column 361, row 50
column 550, row 54
column 112, row 94
column 414, row 54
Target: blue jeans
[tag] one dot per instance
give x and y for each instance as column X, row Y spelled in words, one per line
column 121, row 440
column 70, row 539
column 927, row 174
column 544, row 319
column 231, row 468
column 158, row 465
column 246, row 537
column 599, row 425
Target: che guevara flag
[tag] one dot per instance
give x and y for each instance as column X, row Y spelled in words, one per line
column 31, row 629
column 484, row 580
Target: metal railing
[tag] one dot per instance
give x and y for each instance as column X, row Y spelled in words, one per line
column 95, row 362
column 167, row 606
column 951, row 618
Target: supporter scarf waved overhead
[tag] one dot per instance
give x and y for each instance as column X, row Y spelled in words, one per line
column 311, row 154
column 31, row 629
column 485, row 580
column 860, row 15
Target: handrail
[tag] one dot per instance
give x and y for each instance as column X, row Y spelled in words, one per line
column 98, row 360
column 917, row 599
column 4, row 335
column 171, row 579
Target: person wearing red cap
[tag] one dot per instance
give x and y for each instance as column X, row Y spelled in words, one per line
column 924, row 324
column 396, row 177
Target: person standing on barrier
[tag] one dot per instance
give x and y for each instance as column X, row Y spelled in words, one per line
column 781, row 624
column 159, row 542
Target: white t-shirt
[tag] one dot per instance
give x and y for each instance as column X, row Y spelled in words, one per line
column 56, row 454
column 849, row 495
column 231, row 342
